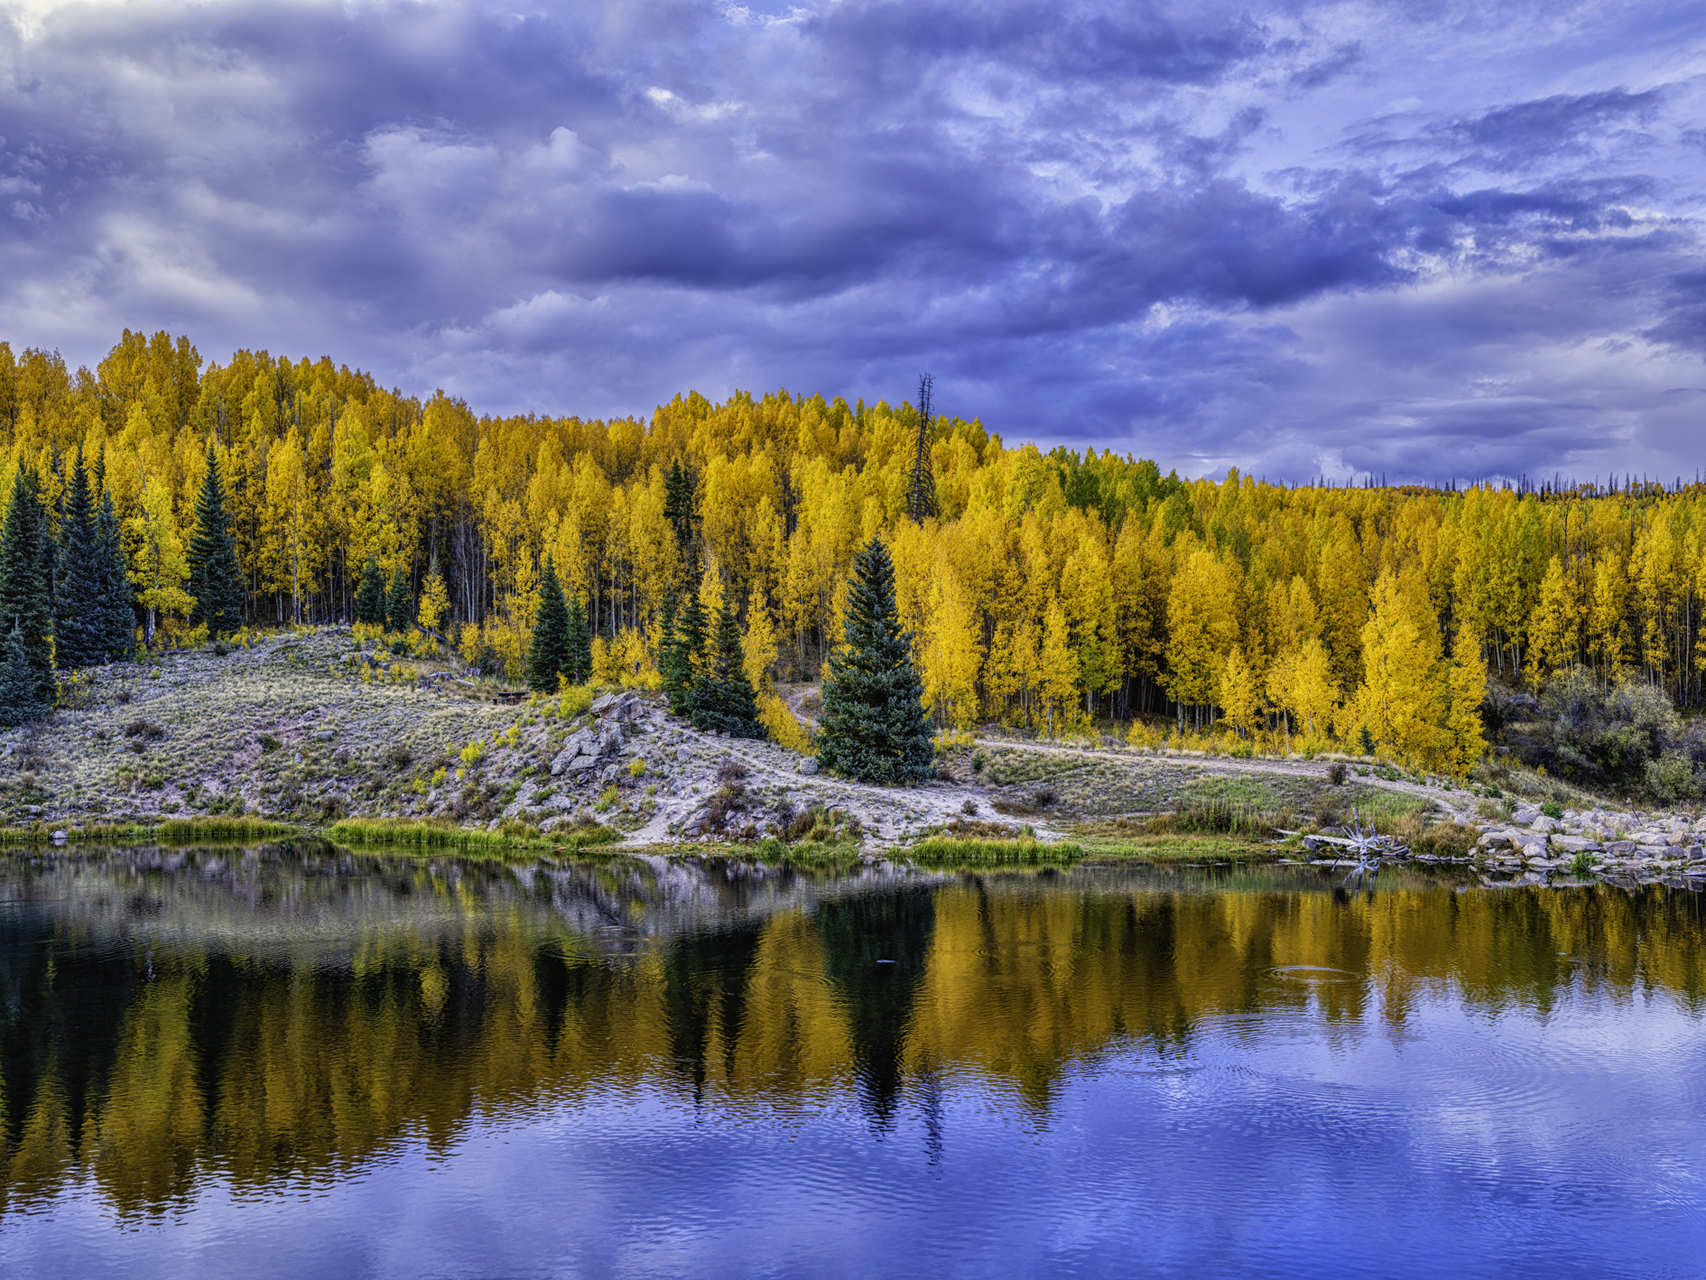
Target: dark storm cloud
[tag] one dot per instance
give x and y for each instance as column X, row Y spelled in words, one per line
column 1284, row 238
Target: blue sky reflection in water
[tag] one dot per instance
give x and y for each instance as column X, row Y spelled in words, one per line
column 1099, row 1073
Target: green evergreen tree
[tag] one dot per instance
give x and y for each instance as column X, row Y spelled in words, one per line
column 215, row 583
column 723, row 701
column 118, row 608
column 20, row 691
column 370, row 595
column 24, row 603
column 680, row 663
column 399, row 603
column 667, row 638
column 80, row 623
column 874, row 726
column 577, row 643
column 678, row 505
column 546, row 657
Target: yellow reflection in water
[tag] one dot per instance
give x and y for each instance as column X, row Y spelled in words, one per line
column 261, row 1065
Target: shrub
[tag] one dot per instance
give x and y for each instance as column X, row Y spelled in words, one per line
column 1336, row 773
column 636, row 768
column 730, row 770
column 401, row 755
column 144, row 730
column 473, row 753
column 1552, row 809
column 1625, row 737
column 969, row 808
column 607, row 798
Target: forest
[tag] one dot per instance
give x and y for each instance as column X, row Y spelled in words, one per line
column 1057, row 591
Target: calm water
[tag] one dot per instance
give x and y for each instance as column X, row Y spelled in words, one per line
column 285, row 1063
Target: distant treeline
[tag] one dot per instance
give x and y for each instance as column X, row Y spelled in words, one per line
column 1043, row 588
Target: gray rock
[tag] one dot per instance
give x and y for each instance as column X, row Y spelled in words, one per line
column 580, row 743
column 1574, row 844
column 1545, row 825
column 602, row 704
column 1620, row 848
column 612, row 742
column 580, row 763
column 58, row 837
column 611, row 772
column 807, row 766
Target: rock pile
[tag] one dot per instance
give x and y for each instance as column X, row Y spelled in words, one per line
column 1616, row 843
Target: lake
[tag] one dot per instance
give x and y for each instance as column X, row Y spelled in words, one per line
column 289, row 1061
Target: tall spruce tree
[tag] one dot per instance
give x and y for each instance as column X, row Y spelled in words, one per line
column 666, row 637
column 118, row 611
column 678, row 505
column 399, row 603
column 370, row 595
column 723, row 701
column 874, row 727
column 80, row 625
column 216, row 584
column 20, row 692
column 577, row 643
column 680, row 664
column 24, row 603
column 546, row 657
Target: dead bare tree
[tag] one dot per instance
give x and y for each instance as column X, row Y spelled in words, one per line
column 921, row 498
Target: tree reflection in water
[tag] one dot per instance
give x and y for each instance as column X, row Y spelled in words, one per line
column 274, row 1014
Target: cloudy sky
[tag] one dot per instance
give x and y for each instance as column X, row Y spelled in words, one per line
column 1420, row 239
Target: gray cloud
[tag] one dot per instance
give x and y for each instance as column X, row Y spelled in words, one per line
column 1291, row 239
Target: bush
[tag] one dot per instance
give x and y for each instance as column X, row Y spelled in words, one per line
column 1336, row 773
column 1552, row 809
column 1625, row 737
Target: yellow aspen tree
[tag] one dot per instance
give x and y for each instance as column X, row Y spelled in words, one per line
column 1057, row 670
column 758, row 648
column 1467, row 741
column 1279, row 685
column 1342, row 594
column 1397, row 698
column 158, row 567
column 1608, row 620
column 1201, row 627
column 1314, row 696
column 434, row 604
column 1239, row 694
column 1552, row 629
column 952, row 656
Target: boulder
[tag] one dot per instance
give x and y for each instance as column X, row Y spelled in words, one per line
column 807, row 766
column 1544, row 825
column 612, row 742
column 581, row 763
column 602, row 703
column 580, row 743
column 1620, row 848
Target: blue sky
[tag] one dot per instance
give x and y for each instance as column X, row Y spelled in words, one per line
column 1425, row 240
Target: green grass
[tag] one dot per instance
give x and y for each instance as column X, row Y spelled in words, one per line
column 1129, row 842
column 410, row 833
column 171, row 831
column 937, row 851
